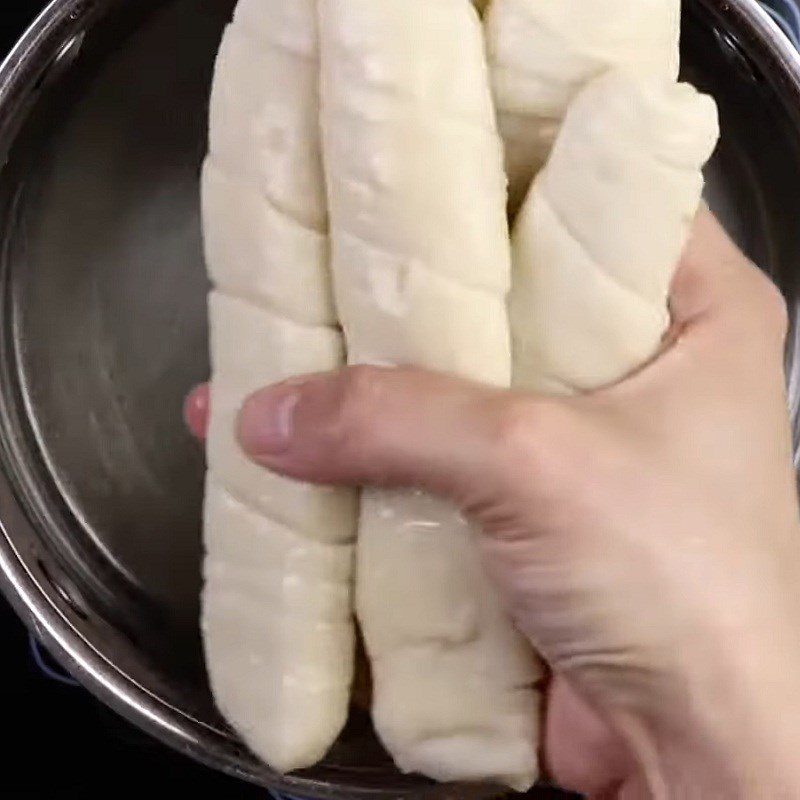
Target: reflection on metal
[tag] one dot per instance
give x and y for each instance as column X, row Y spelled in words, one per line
column 42, row 660
column 787, row 15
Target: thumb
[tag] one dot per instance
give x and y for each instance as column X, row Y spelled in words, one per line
column 715, row 281
column 379, row 426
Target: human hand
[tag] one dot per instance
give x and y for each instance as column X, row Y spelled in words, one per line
column 645, row 536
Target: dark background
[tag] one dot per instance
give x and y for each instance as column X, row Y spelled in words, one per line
column 59, row 741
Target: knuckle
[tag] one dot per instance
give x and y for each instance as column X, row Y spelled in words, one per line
column 525, row 432
column 517, row 426
column 360, row 391
column 362, row 383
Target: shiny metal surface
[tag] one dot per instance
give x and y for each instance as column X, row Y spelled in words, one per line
column 102, row 130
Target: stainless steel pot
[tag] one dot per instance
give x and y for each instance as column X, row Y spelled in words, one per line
column 102, row 130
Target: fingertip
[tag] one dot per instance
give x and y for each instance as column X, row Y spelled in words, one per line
column 196, row 411
column 581, row 749
column 265, row 424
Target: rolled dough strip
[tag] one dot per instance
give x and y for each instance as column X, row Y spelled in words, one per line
column 601, row 232
column 277, row 603
column 542, row 52
column 421, row 270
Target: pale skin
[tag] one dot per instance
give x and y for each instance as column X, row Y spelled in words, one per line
column 645, row 536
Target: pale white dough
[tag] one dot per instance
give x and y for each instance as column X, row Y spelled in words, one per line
column 277, row 603
column 393, row 305
column 252, row 264
column 263, row 122
column 277, row 630
column 453, row 697
column 601, row 232
column 542, row 52
column 421, row 271
column 252, row 348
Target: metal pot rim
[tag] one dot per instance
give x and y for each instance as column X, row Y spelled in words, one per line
column 39, row 55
